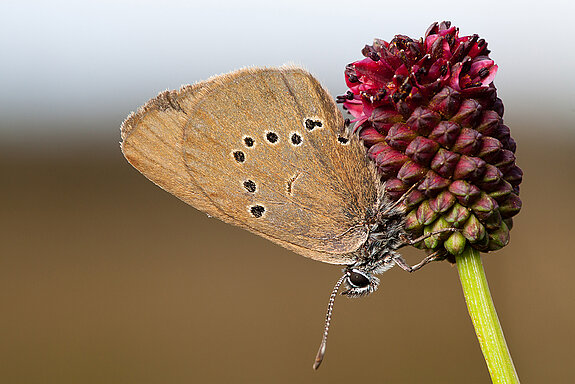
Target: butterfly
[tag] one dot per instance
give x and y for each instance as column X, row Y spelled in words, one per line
column 267, row 149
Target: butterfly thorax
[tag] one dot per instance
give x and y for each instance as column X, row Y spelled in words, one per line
column 386, row 236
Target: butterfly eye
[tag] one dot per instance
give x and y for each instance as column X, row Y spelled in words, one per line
column 359, row 283
column 357, row 279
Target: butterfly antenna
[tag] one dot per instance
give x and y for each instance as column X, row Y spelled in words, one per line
column 322, row 346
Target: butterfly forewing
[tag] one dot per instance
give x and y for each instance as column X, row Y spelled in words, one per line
column 152, row 142
column 260, row 148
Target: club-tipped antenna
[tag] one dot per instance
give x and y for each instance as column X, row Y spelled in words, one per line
column 322, row 346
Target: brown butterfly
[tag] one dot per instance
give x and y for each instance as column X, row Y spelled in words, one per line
column 266, row 149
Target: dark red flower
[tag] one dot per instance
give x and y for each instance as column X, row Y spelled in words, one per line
column 428, row 112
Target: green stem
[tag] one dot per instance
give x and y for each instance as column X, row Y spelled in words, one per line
column 484, row 318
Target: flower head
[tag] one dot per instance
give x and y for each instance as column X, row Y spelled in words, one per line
column 428, row 112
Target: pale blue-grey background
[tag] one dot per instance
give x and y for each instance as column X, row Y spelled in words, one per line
column 70, row 71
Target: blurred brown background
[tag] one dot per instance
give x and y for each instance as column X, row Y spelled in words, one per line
column 105, row 278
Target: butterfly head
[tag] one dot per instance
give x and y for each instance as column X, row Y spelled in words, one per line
column 359, row 282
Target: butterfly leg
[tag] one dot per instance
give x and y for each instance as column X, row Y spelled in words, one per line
column 402, row 198
column 400, row 261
